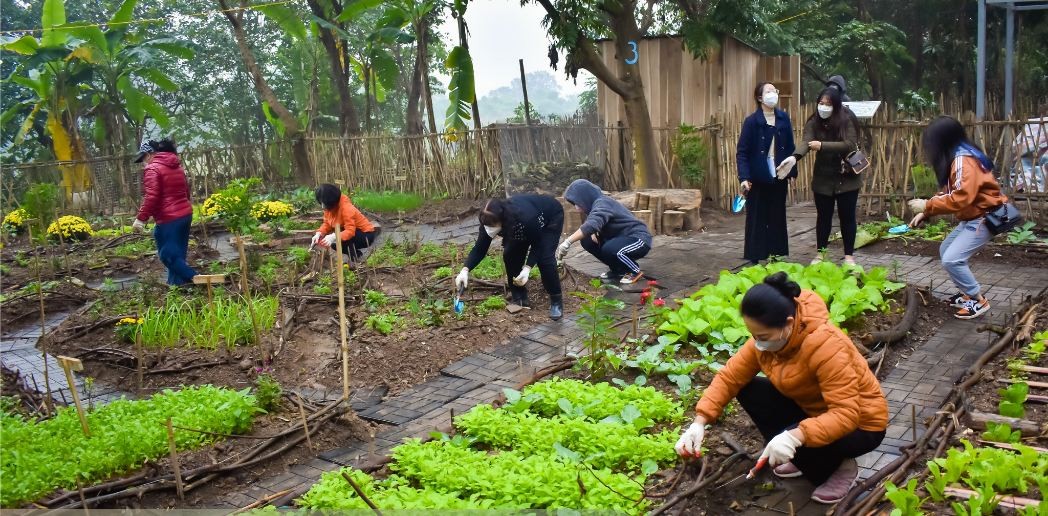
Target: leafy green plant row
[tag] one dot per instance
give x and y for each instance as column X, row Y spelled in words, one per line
column 595, row 401
column 431, row 475
column 40, row 456
column 544, row 449
column 710, row 318
column 617, row 442
column 990, row 472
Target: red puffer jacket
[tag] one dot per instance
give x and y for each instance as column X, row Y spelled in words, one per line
column 165, row 190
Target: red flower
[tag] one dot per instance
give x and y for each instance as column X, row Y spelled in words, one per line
column 653, row 283
column 644, row 296
column 660, row 302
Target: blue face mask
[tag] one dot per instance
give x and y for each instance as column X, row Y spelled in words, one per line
column 773, row 345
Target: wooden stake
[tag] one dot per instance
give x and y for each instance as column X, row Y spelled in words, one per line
column 913, row 420
column 305, row 424
column 69, row 365
column 245, row 288
column 83, row 499
column 343, row 330
column 174, row 460
column 49, row 408
column 360, row 493
column 139, row 365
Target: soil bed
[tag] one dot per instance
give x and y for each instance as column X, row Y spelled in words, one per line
column 1017, row 255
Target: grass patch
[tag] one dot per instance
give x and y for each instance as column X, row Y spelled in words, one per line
column 190, row 321
column 387, row 202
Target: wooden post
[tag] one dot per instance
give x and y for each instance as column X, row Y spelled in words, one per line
column 69, row 365
column 48, row 407
column 305, row 424
column 139, row 359
column 656, row 214
column 672, row 220
column 527, row 112
column 174, row 460
column 343, row 330
column 245, row 288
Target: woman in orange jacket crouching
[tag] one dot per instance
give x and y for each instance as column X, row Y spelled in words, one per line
column 357, row 231
column 818, row 405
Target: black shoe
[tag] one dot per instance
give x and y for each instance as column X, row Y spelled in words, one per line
column 519, row 299
column 556, row 310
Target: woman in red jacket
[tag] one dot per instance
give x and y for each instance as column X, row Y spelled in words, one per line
column 166, row 199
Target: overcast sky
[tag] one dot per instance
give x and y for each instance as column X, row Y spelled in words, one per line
column 500, row 33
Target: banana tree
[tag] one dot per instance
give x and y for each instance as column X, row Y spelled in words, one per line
column 55, row 78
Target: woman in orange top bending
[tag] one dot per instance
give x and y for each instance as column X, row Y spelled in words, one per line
column 357, row 232
column 818, row 405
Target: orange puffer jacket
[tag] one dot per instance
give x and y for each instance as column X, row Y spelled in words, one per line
column 819, row 368
column 971, row 192
column 349, row 219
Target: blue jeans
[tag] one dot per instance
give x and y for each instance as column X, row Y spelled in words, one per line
column 172, row 245
column 963, row 242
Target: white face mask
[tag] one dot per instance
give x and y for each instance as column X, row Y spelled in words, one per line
column 492, row 231
column 771, row 99
column 773, row 345
column 825, row 111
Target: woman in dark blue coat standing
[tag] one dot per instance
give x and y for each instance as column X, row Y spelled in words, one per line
column 766, row 164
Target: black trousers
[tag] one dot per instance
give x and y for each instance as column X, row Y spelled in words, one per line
column 766, row 222
column 620, row 253
column 772, row 412
column 515, row 253
column 359, row 241
column 846, row 202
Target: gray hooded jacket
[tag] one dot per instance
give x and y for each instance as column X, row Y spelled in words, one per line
column 604, row 216
column 838, row 81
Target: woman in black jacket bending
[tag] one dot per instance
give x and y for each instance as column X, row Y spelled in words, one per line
column 530, row 226
column 831, row 132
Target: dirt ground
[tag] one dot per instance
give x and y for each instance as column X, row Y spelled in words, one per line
column 1018, row 255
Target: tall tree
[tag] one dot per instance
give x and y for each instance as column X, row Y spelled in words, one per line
column 289, row 21
column 326, row 13
column 575, row 25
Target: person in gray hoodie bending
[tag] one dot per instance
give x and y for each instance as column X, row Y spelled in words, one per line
column 610, row 232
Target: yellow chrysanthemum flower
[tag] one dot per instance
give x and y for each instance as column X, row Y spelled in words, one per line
column 15, row 220
column 70, row 227
column 265, row 210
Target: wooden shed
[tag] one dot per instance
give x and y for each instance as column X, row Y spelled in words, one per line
column 682, row 89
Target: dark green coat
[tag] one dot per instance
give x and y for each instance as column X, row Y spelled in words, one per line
column 827, row 178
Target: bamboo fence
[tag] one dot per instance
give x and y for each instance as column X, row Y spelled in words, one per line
column 480, row 163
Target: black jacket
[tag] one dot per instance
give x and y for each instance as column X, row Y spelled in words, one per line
column 528, row 217
column 827, row 178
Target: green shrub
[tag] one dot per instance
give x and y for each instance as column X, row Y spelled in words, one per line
column 387, row 202
column 267, row 392
column 691, row 152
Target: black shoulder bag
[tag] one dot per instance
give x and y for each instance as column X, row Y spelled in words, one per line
column 1003, row 218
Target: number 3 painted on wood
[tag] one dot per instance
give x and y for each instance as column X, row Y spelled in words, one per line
column 633, row 45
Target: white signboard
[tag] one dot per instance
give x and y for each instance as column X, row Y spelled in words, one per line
column 864, row 108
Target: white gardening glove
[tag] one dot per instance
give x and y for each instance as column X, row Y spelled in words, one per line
column 522, row 278
column 785, row 167
column 744, row 187
column 462, row 279
column 690, row 442
column 917, row 205
column 562, row 249
column 780, row 449
column 330, row 240
column 316, row 238
column 917, row 219
column 138, row 226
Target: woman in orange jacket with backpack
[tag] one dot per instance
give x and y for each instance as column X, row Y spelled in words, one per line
column 818, row 405
column 357, row 231
column 969, row 192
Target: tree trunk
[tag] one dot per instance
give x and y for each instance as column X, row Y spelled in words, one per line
column 347, row 111
column 647, row 169
column 303, row 168
column 425, row 82
column 413, row 117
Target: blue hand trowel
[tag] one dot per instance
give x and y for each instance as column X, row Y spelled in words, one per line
column 900, row 229
column 738, row 203
column 459, row 305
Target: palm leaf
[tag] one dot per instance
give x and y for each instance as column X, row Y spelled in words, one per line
column 51, row 19
column 123, row 15
column 132, row 99
column 157, row 77
column 286, row 18
column 170, row 46
column 27, row 125
column 25, row 45
column 277, row 124
column 153, row 108
column 91, row 35
column 461, row 89
column 352, row 11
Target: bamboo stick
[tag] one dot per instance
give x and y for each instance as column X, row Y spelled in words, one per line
column 343, row 330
